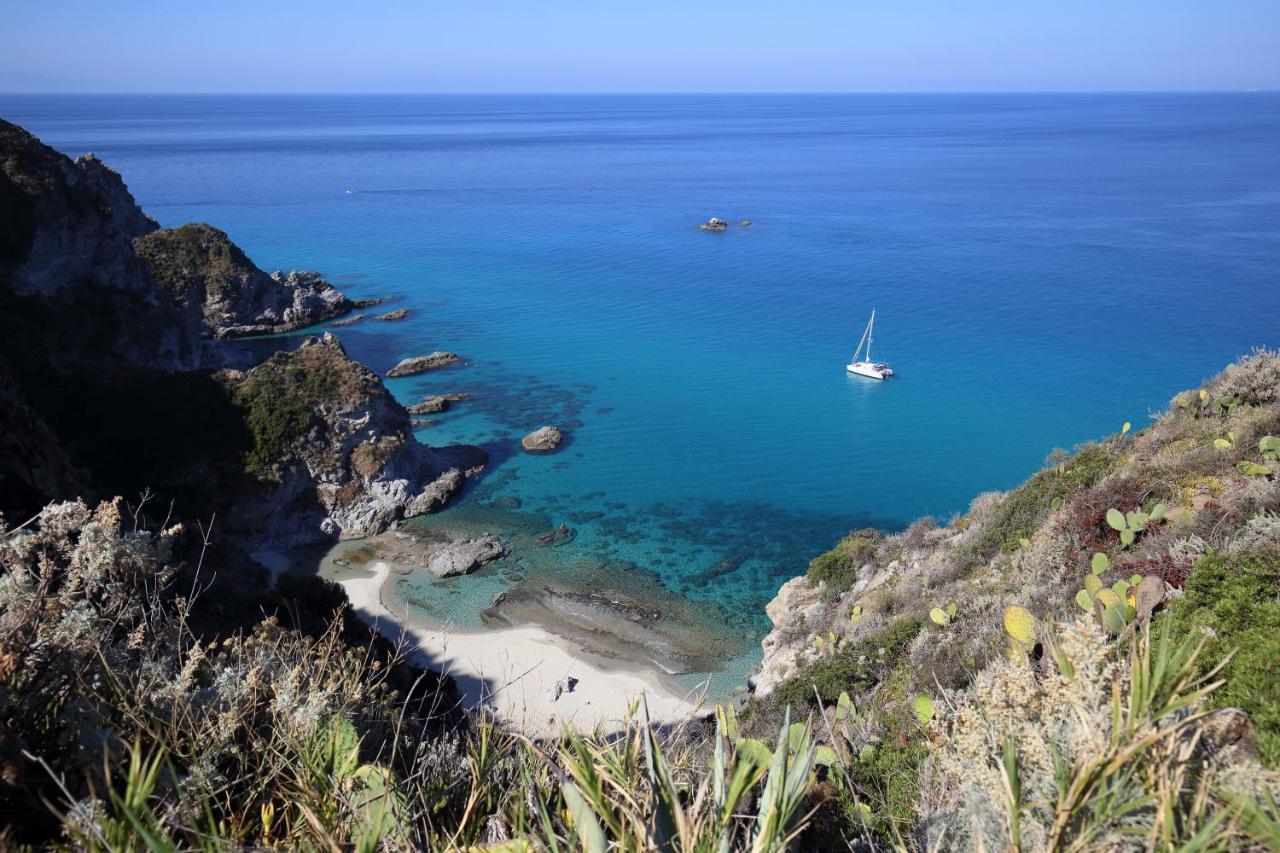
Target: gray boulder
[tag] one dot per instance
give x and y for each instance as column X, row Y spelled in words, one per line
column 543, row 440
column 463, row 558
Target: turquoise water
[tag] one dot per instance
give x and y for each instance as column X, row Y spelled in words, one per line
column 1044, row 267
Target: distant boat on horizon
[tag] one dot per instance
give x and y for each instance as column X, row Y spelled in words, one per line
column 865, row 366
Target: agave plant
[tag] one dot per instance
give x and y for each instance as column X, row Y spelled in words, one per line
column 612, row 807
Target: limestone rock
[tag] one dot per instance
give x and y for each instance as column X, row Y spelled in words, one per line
column 421, row 364
column 397, row 314
column 463, row 558
column 790, row 610
column 542, row 440
column 222, row 290
column 436, row 404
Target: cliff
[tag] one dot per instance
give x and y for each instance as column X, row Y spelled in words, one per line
column 118, row 381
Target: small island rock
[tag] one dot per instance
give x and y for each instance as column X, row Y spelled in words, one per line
column 421, row 364
column 398, row 314
column 436, row 404
column 715, row 223
column 463, row 558
column 543, row 440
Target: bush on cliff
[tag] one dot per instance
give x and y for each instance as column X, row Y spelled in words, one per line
column 1234, row 602
column 838, row 568
column 280, row 399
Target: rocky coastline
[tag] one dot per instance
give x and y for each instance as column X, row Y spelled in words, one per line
column 306, row 447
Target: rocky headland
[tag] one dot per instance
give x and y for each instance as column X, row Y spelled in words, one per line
column 103, row 310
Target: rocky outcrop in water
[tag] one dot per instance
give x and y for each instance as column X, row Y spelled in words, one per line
column 542, row 440
column 437, row 403
column 421, row 364
column 397, row 314
column 463, row 558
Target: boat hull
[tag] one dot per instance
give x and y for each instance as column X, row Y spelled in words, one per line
column 871, row 371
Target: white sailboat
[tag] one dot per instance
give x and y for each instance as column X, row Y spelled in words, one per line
column 864, row 366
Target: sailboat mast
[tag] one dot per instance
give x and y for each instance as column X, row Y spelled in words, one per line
column 870, row 330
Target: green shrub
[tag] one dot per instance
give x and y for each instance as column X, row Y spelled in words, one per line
column 1238, row 601
column 1020, row 512
column 279, row 400
column 838, row 568
column 852, row 668
column 891, row 777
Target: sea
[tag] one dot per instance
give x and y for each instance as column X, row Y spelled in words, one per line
column 1043, row 267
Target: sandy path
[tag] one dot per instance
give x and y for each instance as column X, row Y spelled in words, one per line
column 514, row 671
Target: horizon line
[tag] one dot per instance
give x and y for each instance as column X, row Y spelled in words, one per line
column 643, row 92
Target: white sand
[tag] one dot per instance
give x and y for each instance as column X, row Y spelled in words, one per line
column 514, row 671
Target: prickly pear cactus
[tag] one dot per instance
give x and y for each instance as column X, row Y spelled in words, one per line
column 1020, row 624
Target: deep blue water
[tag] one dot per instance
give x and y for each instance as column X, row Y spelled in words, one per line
column 1044, row 267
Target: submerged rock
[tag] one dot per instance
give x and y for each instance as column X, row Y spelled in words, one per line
column 463, row 558
column 398, row 314
column 353, row 319
column 542, row 440
column 421, row 364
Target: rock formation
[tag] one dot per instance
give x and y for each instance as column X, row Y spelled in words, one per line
column 335, row 449
column 463, row 558
column 219, row 288
column 397, row 314
column 421, row 364
column 542, row 440
column 102, row 310
column 438, row 403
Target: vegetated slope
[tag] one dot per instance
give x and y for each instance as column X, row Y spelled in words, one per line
column 913, row 618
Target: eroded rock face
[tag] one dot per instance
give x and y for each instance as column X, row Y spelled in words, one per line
column 73, row 288
column 225, row 293
column 543, row 440
column 463, row 558
column 421, row 364
column 789, row 612
column 334, row 453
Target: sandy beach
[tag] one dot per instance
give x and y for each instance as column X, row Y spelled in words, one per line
column 515, row 671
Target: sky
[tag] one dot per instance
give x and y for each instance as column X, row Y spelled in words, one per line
column 273, row 46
